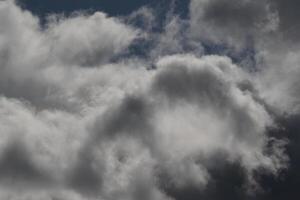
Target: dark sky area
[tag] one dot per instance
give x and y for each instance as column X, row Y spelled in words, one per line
column 112, row 7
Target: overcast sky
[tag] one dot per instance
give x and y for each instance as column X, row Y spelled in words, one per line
column 149, row 100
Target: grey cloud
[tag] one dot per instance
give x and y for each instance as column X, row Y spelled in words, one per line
column 16, row 166
column 231, row 22
column 288, row 13
column 179, row 82
column 224, row 13
column 130, row 117
column 157, row 128
column 278, row 81
column 200, row 83
column 84, row 178
column 186, row 89
column 102, row 130
column 278, row 61
column 271, row 29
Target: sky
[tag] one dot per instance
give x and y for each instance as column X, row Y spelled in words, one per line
column 154, row 100
column 112, row 7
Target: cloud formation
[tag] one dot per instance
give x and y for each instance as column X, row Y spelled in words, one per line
column 79, row 120
column 265, row 29
column 231, row 22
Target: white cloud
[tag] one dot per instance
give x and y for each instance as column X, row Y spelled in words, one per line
column 88, row 128
column 33, row 65
column 89, row 40
column 202, row 111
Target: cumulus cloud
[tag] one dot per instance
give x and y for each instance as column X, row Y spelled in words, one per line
column 268, row 28
column 78, row 124
column 88, row 40
column 204, row 103
column 37, row 64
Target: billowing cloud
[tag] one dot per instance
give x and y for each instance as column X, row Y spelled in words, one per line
column 268, row 28
column 79, row 120
column 39, row 65
column 88, row 40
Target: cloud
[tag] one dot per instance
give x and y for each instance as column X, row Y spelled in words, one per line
column 205, row 107
column 279, row 79
column 277, row 61
column 76, row 123
column 96, row 41
column 46, row 54
column 192, row 109
column 269, row 29
column 287, row 11
column 231, row 22
column 16, row 165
